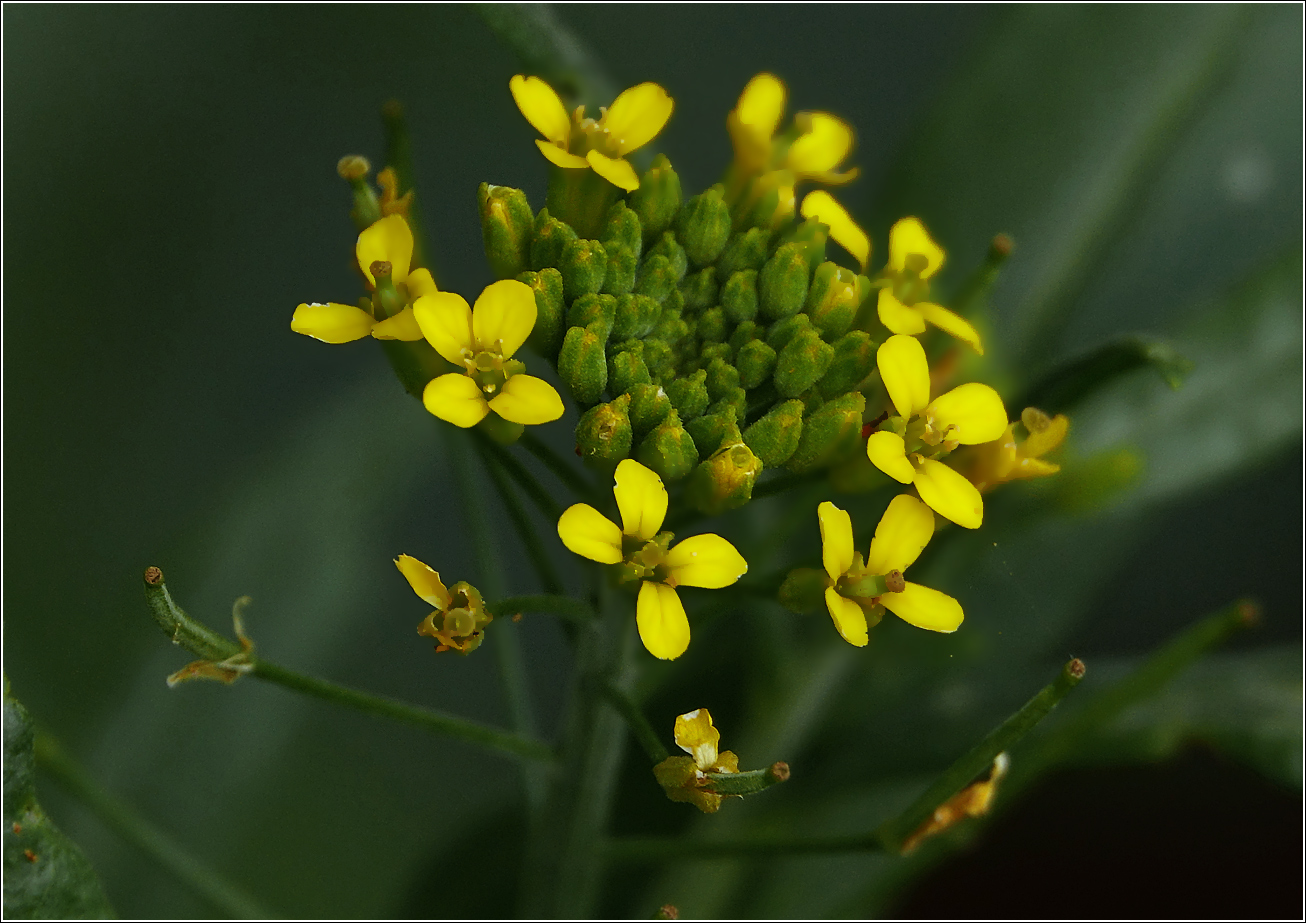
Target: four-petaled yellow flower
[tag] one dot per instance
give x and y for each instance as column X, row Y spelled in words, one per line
column 969, row 414
column 646, row 555
column 459, row 618
column 482, row 340
column 858, row 589
column 904, row 304
column 818, row 143
column 389, row 241
column 1007, row 459
column 685, row 777
column 576, row 142
column 843, row 229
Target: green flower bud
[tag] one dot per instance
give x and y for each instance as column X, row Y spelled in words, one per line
column 626, row 367
column 739, row 296
column 803, row 590
column 711, row 351
column 604, row 434
column 620, row 276
column 779, row 334
column 832, row 300
column 829, row 433
column 649, row 406
column 549, row 237
column 712, row 430
column 621, row 229
column 507, row 225
column 775, row 437
column 635, row 316
column 700, row 289
column 854, row 358
column 745, row 250
column 675, row 254
column 703, row 226
column 550, row 317
column 756, row 363
column 583, row 265
column 812, row 401
column 722, row 379
column 811, row 236
column 582, row 363
column 735, row 400
column 712, row 327
column 657, row 199
column 801, row 363
column 745, row 332
column 689, row 395
column 659, row 357
column 657, row 278
column 671, row 326
column 668, row 450
column 724, row 481
column 599, row 310
column 782, row 283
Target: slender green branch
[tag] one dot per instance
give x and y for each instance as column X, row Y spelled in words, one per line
column 964, row 771
column 548, row 48
column 399, row 156
column 534, row 490
column 572, row 610
column 557, row 465
column 536, row 549
column 199, row 879
column 1061, row 389
column 185, row 631
column 639, row 725
column 667, row 848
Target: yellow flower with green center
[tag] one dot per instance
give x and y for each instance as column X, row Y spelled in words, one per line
column 459, row 618
column 646, row 555
column 684, row 778
column 482, row 340
column 811, row 149
column 844, row 231
column 904, row 305
column 925, row 430
column 576, row 142
column 387, row 241
column 860, row 591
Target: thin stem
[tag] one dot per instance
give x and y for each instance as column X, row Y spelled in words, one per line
column 639, row 725
column 557, row 465
column 534, row 490
column 399, row 156
column 572, row 610
column 536, row 550
column 548, row 48
column 118, row 816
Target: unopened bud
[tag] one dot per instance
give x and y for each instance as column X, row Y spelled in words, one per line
column 712, row 326
column 775, row 437
column 724, row 481
column 700, row 289
column 657, row 278
column 620, row 276
column 854, row 358
column 671, row 326
column 745, row 250
column 703, row 226
column 353, row 167
column 649, row 406
column 782, row 282
column 604, row 435
column 634, row 316
column 833, row 430
column 744, row 333
column 803, row 590
column 802, row 363
column 756, row 363
column 668, row 246
column 689, row 394
column 714, row 429
column 657, row 199
column 626, row 367
column 507, row 227
column 780, row 333
column 550, row 311
column 832, row 300
column 583, row 265
column 668, row 450
column 659, row 357
column 739, row 296
column 549, row 237
column 621, row 228
column 583, row 364
column 811, row 236
column 366, row 210
column 735, row 399
column 597, row 310
column 722, row 379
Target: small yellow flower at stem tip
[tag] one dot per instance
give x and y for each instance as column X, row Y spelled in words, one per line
column 644, row 554
column 843, row 230
column 816, row 145
column 459, row 617
column 1009, row 458
column 904, row 306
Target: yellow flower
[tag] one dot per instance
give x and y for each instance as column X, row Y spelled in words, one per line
column 389, row 241
column 482, row 340
column 969, row 414
column 904, row 304
column 859, row 589
column 646, row 555
column 576, row 142
column 459, row 618
column 816, row 145
column 843, row 230
column 1007, row 459
column 685, row 777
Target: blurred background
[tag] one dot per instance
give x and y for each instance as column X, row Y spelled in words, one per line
column 170, row 196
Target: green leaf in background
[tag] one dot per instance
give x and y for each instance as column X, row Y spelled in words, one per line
column 46, row 875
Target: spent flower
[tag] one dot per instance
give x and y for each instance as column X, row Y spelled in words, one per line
column 685, row 778
column 459, row 618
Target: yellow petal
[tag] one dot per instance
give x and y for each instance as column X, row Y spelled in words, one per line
column 616, row 170
column 908, row 236
column 1032, row 468
column 425, row 582
column 332, row 322
column 707, row 561
column 696, row 735
column 925, row 608
column 848, row 617
column 888, row 452
column 952, row 323
column 504, row 314
column 587, row 532
column 904, row 531
column 822, row 148
column 898, row 317
column 390, row 240
column 905, row 373
column 762, row 105
column 949, row 494
column 661, row 619
column 446, row 321
column 836, row 538
column 455, row 398
column 403, row 326
column 420, row 282
column 843, row 230
column 1042, row 441
column 527, row 400
column 974, row 411
column 635, row 117
column 542, row 107
column 559, row 156
column 641, row 497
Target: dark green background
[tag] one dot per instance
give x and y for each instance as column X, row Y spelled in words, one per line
column 171, row 196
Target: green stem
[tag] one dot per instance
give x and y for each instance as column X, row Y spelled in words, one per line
column 536, row 550
column 399, row 156
column 1061, row 389
column 572, row 610
column 201, row 880
column 534, row 490
column 639, row 725
column 557, row 465
column 666, row 848
column 549, row 49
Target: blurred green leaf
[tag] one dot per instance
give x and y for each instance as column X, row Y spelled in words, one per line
column 46, row 875
column 1067, row 385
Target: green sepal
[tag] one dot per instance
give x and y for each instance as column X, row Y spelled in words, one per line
column 700, row 289
column 550, row 310
column 725, row 480
column 810, row 236
column 621, row 228
column 775, row 437
column 657, row 199
column 803, row 590
column 711, row 430
column 635, row 316
column 622, row 266
column 668, row 246
column 854, row 359
column 756, row 363
column 782, row 282
column 689, row 395
column 712, row 326
column 588, row 310
column 744, row 251
column 548, row 239
column 583, row 264
column 649, row 406
column 739, row 296
column 604, row 434
column 744, row 333
column 833, row 300
column 802, row 363
column 780, row 333
column 703, row 226
column 659, row 357
column 657, row 278
column 735, row 399
column 500, row 431
column 583, row 364
column 507, row 227
column 722, row 379
column 709, row 352
column 668, row 450
column 831, row 432
column 626, row 367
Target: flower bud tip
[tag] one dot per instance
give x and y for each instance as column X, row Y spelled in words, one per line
column 780, row 771
column 353, row 167
column 894, row 582
column 1076, row 669
column 668, row 912
column 381, row 268
column 153, row 576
